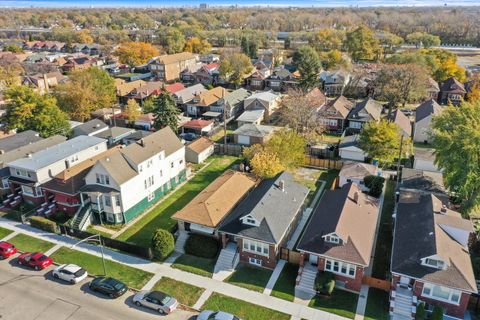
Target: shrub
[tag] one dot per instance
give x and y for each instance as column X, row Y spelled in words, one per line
column 43, row 224
column 162, row 244
column 325, row 282
column 420, row 314
column 437, row 313
column 202, row 246
column 374, row 184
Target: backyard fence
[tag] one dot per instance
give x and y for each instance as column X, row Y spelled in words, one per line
column 376, row 283
column 290, row 255
column 133, row 249
column 323, row 163
column 228, row 149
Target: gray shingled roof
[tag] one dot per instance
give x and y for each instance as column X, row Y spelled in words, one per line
column 427, row 108
column 19, row 140
column 372, row 108
column 273, row 208
column 255, row 130
column 89, row 127
column 425, row 181
column 235, row 97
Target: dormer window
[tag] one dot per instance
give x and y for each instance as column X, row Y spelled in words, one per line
column 332, row 239
column 434, row 263
column 250, row 221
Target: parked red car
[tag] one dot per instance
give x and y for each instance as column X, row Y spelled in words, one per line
column 7, row 250
column 35, row 260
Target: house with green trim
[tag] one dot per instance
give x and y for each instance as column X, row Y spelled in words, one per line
column 121, row 186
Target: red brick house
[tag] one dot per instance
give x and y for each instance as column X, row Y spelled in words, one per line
column 451, row 91
column 333, row 115
column 340, row 235
column 263, row 222
column 430, row 258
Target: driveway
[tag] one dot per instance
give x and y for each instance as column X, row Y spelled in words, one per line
column 35, row 295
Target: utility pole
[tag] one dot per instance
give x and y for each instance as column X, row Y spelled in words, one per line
column 224, row 118
column 399, row 162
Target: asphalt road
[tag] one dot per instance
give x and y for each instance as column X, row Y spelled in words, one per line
column 35, row 295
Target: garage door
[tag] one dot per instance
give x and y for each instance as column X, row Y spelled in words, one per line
column 245, row 140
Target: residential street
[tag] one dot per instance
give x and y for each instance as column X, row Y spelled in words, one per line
column 28, row 295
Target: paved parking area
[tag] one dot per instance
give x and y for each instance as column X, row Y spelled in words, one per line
column 35, row 295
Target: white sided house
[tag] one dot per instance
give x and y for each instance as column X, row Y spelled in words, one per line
column 34, row 169
column 123, row 185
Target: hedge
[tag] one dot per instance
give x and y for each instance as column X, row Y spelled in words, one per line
column 44, row 224
column 163, row 244
column 325, row 282
column 374, row 184
column 202, row 246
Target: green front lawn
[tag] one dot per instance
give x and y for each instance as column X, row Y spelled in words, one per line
column 381, row 262
column 242, row 309
column 30, row 244
column 185, row 293
column 377, row 305
column 132, row 277
column 250, row 278
column 4, row 232
column 285, row 286
column 160, row 217
column 198, row 265
column 342, row 303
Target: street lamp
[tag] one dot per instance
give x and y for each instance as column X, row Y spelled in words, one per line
column 99, row 239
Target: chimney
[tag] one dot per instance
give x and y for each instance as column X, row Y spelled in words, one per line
column 281, row 185
column 356, row 197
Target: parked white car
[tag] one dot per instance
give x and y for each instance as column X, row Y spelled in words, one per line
column 215, row 315
column 70, row 273
column 156, row 300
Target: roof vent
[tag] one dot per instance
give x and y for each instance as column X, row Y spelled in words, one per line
column 356, row 197
column 141, row 142
column 29, row 155
column 444, row 209
column 107, row 159
column 281, row 185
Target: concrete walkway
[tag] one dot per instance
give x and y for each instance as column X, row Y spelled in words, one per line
column 363, row 296
column 205, row 295
column 179, row 275
column 10, row 236
column 274, row 277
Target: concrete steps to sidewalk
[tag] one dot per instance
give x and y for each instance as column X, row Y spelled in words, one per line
column 227, row 262
column 181, row 240
column 306, row 285
column 402, row 306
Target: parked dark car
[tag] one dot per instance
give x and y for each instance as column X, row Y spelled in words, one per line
column 108, row 286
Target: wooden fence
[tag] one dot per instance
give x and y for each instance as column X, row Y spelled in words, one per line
column 323, row 163
column 228, row 149
column 376, row 283
column 290, row 255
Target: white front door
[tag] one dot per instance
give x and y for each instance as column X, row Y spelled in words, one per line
column 313, row 259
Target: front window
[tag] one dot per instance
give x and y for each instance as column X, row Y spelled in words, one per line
column 102, row 178
column 27, row 190
column 340, row 267
column 255, row 261
column 441, row 293
column 108, row 201
column 257, row 247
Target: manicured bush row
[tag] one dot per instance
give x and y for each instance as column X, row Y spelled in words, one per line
column 44, row 224
column 202, row 246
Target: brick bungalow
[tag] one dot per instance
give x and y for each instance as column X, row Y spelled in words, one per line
column 430, row 257
column 340, row 235
column 263, row 222
column 333, row 115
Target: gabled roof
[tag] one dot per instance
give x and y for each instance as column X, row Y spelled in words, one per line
column 452, row 85
column 429, row 107
column 372, row 108
column 124, row 88
column 402, row 122
column 272, row 207
column 216, row 201
column 349, row 141
column 237, row 96
column 187, row 94
column 255, row 130
column 341, row 106
column 174, row 87
column 18, row 140
column 267, row 96
column 210, row 97
column 354, row 221
column 173, row 58
column 353, row 169
column 432, row 85
column 163, row 139
column 118, row 168
column 316, row 97
column 197, row 124
column 251, row 115
column 422, row 230
column 200, row 145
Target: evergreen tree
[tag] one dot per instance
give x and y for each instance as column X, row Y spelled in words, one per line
column 165, row 111
column 308, row 63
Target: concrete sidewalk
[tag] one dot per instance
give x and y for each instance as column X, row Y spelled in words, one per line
column 160, row 270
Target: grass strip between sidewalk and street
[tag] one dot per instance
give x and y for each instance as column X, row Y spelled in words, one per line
column 26, row 243
column 4, row 232
column 132, row 277
column 185, row 293
column 242, row 309
column 342, row 303
column 284, row 288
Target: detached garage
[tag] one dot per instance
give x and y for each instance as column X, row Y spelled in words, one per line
column 250, row 134
column 199, row 150
column 349, row 149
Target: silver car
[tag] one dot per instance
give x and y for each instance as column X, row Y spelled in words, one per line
column 156, row 300
column 216, row 315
